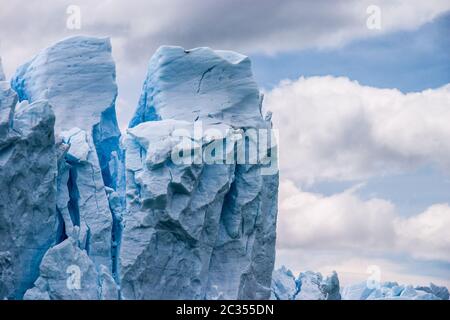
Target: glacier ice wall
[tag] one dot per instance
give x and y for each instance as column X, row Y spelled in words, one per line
column 172, row 218
column 77, row 78
column 193, row 231
column 28, row 220
column 205, row 84
column 198, row 231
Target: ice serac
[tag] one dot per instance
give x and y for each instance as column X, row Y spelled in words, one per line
column 308, row 286
column 214, row 86
column 440, row 292
column 77, row 77
column 172, row 220
column 284, row 285
column 67, row 273
column 331, row 287
column 197, row 230
column 28, row 219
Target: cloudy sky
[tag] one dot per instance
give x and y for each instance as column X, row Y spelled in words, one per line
column 362, row 105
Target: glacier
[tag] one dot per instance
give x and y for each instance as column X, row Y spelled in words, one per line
column 205, row 84
column 200, row 230
column 307, row 286
column 312, row 286
column 89, row 212
column 28, row 221
column 76, row 77
column 112, row 216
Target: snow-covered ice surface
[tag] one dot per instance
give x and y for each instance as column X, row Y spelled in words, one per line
column 203, row 84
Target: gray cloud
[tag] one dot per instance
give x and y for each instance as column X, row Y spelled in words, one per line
column 138, row 27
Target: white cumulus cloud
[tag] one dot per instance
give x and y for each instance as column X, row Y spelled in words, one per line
column 344, row 221
column 426, row 235
column 336, row 129
column 310, row 220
